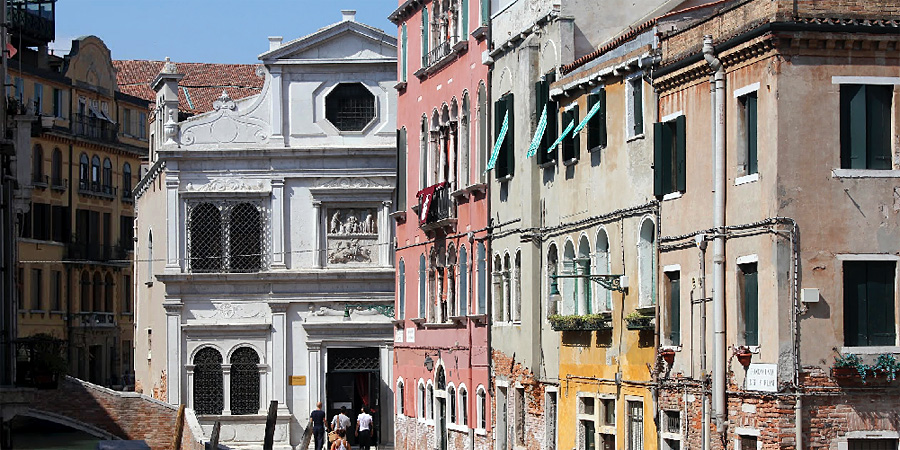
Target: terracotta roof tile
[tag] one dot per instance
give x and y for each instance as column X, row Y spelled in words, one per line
column 201, row 85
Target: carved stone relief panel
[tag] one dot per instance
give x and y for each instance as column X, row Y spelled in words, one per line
column 352, row 235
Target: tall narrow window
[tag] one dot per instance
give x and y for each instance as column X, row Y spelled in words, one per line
column 95, row 173
column 519, row 425
column 670, row 162
column 55, row 290
column 208, row 393
column 37, row 288
column 485, row 12
column 552, row 281
column 602, row 296
column 482, row 131
column 84, row 172
column 404, row 49
column 869, row 302
column 464, row 137
column 748, row 128
column 245, row 239
column 748, row 285
column 85, row 297
column 38, row 98
column 464, row 20
column 463, row 281
column 635, row 106
column 108, row 293
column 126, row 180
column 126, row 121
column 569, row 284
column 142, row 125
column 425, row 39
column 545, row 154
column 571, row 144
column 107, row 176
column 497, row 282
column 57, row 102
column 550, row 427
column 673, row 289
column 401, row 398
column 481, row 408
column 646, row 257
column 150, row 256
column 37, row 164
column 517, row 288
column 97, row 284
column 126, row 294
column 507, row 288
column 463, row 406
column 583, row 267
column 244, row 382
column 596, row 126
column 401, row 169
column 205, row 228
column 56, row 168
column 504, row 108
column 866, row 126
column 635, row 428
column 422, row 283
column 451, row 394
column 482, row 279
column 401, row 289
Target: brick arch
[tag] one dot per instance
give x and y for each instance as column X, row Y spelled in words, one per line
column 65, row 421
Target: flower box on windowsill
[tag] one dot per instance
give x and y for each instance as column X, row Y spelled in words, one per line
column 638, row 321
column 587, row 322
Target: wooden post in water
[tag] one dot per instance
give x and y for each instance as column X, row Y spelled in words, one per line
column 269, row 441
column 179, row 428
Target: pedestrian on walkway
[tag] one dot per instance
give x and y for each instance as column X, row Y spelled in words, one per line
column 364, row 429
column 341, row 421
column 317, row 421
column 341, row 442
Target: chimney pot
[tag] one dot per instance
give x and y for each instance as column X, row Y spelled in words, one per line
column 275, row 42
column 349, row 15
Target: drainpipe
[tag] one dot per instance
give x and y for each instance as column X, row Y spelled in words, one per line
column 704, row 431
column 719, row 358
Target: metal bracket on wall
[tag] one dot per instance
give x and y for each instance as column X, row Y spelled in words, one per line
column 611, row 282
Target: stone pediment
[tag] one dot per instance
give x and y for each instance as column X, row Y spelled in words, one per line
column 229, row 123
column 345, row 40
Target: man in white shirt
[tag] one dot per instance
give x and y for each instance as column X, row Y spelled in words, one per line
column 341, row 421
column 364, row 429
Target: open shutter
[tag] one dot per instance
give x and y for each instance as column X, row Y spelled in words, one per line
column 596, row 127
column 499, row 114
column 425, row 36
column 880, row 303
column 680, row 154
column 658, row 149
column 464, row 11
column 540, row 99
column 853, row 126
column 878, row 127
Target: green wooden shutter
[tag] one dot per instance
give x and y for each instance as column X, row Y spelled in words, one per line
column 499, row 111
column 880, row 303
column 425, row 36
column 485, row 12
column 575, row 138
column 658, row 144
column 855, row 304
column 853, row 126
column 509, row 143
column 401, row 169
column 566, row 144
column 751, row 121
column 675, row 308
column 464, row 11
column 540, row 100
column 405, row 50
column 751, row 305
column 878, row 127
column 638, row 100
column 680, row 154
column 596, row 127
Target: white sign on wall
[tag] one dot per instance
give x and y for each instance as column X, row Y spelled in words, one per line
column 398, row 336
column 410, row 335
column 762, row 377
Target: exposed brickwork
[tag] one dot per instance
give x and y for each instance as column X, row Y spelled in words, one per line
column 510, row 371
column 414, row 434
column 123, row 414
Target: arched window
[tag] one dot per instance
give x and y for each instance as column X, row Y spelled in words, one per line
column 465, row 135
column 401, row 289
column 400, row 402
column 208, row 382
column 552, row 282
column 126, row 180
column 583, row 267
column 423, row 154
column 107, row 176
column 517, row 289
column 645, row 263
column 497, row 281
column 56, row 168
column 244, row 381
column 441, row 379
column 602, row 297
column 420, row 400
column 84, row 172
column 404, row 51
column 37, row 164
column 429, row 402
column 422, row 289
column 451, row 394
column 205, row 238
column 86, row 304
column 481, row 408
column 483, row 135
column 507, row 288
column 482, row 279
column 452, row 301
column 95, row 173
column 463, row 406
column 97, row 304
column 245, row 239
column 108, row 294
column 568, row 286
column 463, row 281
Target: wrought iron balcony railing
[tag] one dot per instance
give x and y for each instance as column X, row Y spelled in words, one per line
column 95, row 128
column 438, row 206
column 436, row 54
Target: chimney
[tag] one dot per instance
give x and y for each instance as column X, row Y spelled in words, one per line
column 274, row 42
column 166, row 87
column 349, row 15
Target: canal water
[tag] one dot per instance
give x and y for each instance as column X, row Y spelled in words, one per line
column 34, row 434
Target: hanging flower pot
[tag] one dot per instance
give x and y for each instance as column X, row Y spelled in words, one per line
column 668, row 355
column 744, row 356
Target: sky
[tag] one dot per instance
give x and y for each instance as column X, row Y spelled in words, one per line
column 213, row 31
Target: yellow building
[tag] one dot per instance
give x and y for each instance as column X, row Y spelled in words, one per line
column 75, row 242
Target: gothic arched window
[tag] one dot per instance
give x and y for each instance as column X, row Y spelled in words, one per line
column 208, row 381
column 245, row 238
column 108, row 294
column 107, row 176
column 95, row 173
column 244, row 381
column 84, row 172
column 463, row 281
column 206, row 238
column 98, row 293
column 126, row 180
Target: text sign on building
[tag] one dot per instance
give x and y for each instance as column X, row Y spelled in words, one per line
column 410, row 335
column 398, row 335
column 298, row 380
column 762, row 377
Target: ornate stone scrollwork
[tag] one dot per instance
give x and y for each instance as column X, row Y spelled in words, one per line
column 223, row 102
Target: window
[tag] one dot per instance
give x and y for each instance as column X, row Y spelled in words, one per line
column 97, row 285
column 464, row 20
column 748, row 287
column 150, row 257
column 505, row 164
column 451, row 394
column 870, row 444
column 483, row 134
column 126, row 121
column 85, row 296
column 56, row 168
column 38, row 98
column 497, row 281
column 866, row 126
column 20, row 288
column 673, row 288
column 519, row 425
column 244, row 382
column 205, row 228
column 350, row 107
column 587, row 423
column 463, row 281
column 672, row 430
column 37, row 284
column 55, row 290
column 485, row 12
column 550, row 430
column 635, row 426
column 609, row 411
column 95, row 173
column 747, row 131
column 646, row 256
column 429, row 402
column 107, row 176
column 634, row 91
column 482, row 279
column 571, row 144
column 569, row 288
column 245, row 238
column 108, row 294
column 401, row 290
column 58, row 103
column 464, row 138
column 481, row 408
column 60, row 219
column 84, row 172
column 596, row 126
column 37, row 164
column 748, row 442
column 583, row 267
column 517, row 290
column 404, row 49
column 126, row 180
column 669, row 157
column 422, row 289
column 421, row 400
column 552, row 281
column 401, row 169
column 142, row 125
column 208, row 239
column 602, row 296
column 463, row 406
column 501, row 421
column 401, row 397
column 126, row 294
column 208, row 391
column 425, row 26
column 42, row 218
column 551, row 132
column 869, row 303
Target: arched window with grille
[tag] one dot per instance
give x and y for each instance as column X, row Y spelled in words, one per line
column 205, row 238
column 208, row 394
column 84, row 172
column 95, row 173
column 108, row 294
column 401, row 399
column 56, row 168
column 451, row 394
column 98, row 293
column 245, row 238
column 244, row 381
column 107, row 176
column 37, row 164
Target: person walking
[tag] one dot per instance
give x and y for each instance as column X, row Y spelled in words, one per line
column 341, row 421
column 317, row 421
column 341, row 442
column 364, row 429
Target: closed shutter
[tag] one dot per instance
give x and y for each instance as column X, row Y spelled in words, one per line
column 675, row 308
column 878, row 127
column 880, row 302
column 508, row 148
column 405, row 50
column 551, row 132
column 425, row 37
column 659, row 130
column 853, row 126
column 596, row 127
column 570, row 143
column 680, row 154
column 465, row 20
column 485, row 12
column 401, row 170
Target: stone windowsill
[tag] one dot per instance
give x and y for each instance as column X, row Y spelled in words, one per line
column 752, row 178
column 673, row 195
column 864, row 173
column 875, row 350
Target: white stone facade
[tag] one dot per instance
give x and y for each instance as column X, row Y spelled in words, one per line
column 270, row 220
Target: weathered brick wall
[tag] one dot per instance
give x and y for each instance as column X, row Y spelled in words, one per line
column 127, row 415
column 507, row 369
column 412, row 434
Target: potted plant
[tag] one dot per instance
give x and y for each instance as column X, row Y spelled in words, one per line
column 668, row 355
column 637, row 321
column 886, row 365
column 743, row 355
column 848, row 366
column 586, row 322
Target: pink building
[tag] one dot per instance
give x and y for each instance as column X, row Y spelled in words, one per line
column 441, row 345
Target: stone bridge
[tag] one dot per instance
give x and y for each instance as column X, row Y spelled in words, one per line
column 104, row 413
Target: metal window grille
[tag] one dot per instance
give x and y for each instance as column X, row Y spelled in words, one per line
column 356, row 364
column 226, row 237
column 245, row 236
column 244, row 381
column 673, row 422
column 635, row 426
column 350, row 107
column 206, row 238
column 208, row 382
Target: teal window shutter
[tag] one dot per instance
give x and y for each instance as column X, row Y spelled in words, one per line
column 680, row 154
column 853, row 126
column 422, row 286
column 425, row 36
column 464, row 11
column 463, row 281
column 485, row 12
column 570, row 145
column 401, row 288
column 552, row 130
column 751, row 304
column 869, row 303
column 878, row 127
column 405, row 50
column 751, row 124
column 509, row 142
column 659, row 142
column 499, row 113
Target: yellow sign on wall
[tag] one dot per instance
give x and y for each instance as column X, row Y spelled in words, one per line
column 298, row 380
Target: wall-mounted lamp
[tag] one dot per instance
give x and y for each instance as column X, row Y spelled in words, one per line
column 429, row 363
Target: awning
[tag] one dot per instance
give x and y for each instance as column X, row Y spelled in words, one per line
column 538, row 134
column 493, row 161
column 590, row 114
column 562, row 136
column 425, row 199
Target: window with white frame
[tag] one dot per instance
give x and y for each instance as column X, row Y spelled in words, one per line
column 497, row 279
column 420, row 401
column 463, row 406
column 226, row 236
column 602, row 296
column 606, row 408
column 480, row 408
column 517, row 290
column 520, row 414
column 671, row 430
column 401, row 398
column 868, row 444
column 550, row 427
column 401, row 289
column 634, row 427
column 634, row 110
column 646, row 256
column 583, row 268
column 451, row 395
column 869, row 303
column 587, row 421
column 747, row 144
column 463, row 290
column 866, row 126
column 429, row 402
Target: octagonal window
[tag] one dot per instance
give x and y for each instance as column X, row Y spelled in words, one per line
column 350, row 107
